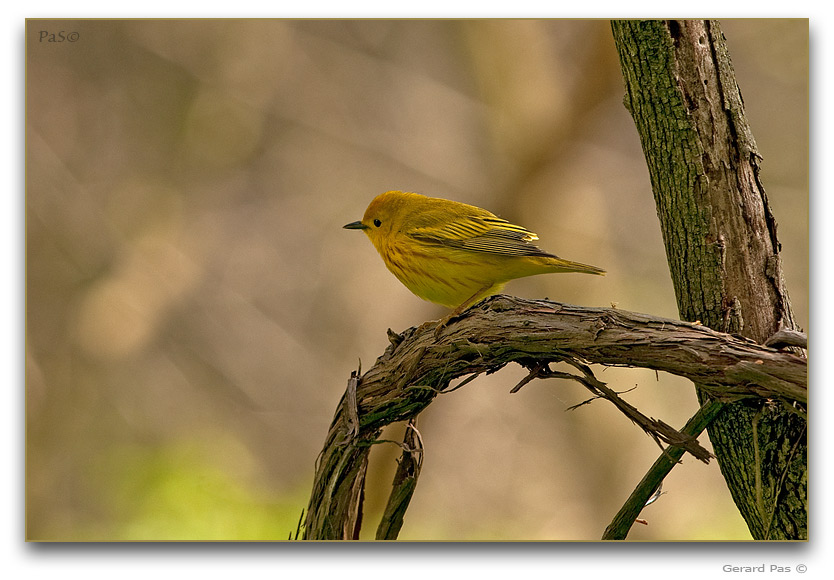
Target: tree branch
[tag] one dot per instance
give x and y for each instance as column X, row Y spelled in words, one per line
column 405, row 481
column 656, row 429
column 416, row 367
column 639, row 498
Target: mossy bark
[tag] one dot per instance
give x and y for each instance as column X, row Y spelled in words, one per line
column 721, row 245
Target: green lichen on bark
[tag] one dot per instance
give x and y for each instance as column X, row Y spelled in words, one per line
column 721, row 244
column 674, row 156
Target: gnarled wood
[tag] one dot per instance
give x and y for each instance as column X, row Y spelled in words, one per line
column 500, row 330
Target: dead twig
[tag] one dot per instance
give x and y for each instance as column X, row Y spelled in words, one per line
column 405, row 481
column 651, row 482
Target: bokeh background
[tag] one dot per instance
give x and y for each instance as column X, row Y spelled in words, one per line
column 194, row 307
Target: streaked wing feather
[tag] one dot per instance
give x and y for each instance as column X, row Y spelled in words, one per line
column 503, row 242
column 488, row 234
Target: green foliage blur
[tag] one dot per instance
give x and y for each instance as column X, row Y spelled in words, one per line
column 182, row 491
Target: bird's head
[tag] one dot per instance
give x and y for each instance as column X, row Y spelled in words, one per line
column 385, row 215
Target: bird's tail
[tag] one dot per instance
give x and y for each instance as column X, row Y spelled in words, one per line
column 560, row 265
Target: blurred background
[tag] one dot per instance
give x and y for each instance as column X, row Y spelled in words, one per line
column 194, row 307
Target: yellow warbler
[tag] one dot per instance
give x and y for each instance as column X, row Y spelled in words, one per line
column 452, row 253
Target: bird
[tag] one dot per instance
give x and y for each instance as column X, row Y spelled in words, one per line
column 451, row 253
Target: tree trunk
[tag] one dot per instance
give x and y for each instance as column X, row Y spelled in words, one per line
column 721, row 245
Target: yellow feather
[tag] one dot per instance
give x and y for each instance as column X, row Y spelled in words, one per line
column 453, row 253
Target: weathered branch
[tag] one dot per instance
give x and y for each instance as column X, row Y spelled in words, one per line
column 656, row 429
column 405, row 481
column 417, row 367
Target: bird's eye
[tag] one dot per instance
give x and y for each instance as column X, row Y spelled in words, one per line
column 377, row 223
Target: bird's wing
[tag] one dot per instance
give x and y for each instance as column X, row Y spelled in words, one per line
column 489, row 234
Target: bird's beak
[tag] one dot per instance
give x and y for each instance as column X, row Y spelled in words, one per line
column 355, row 226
